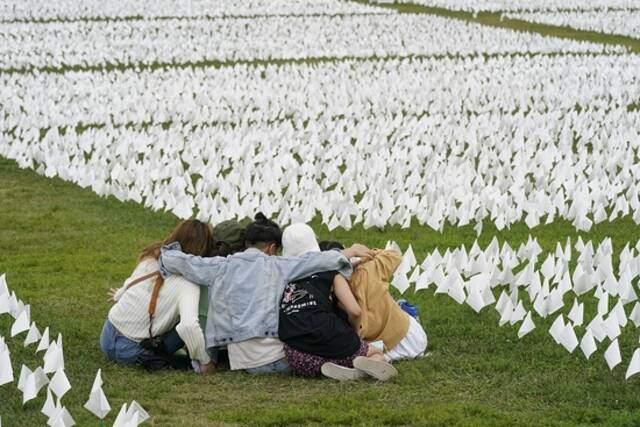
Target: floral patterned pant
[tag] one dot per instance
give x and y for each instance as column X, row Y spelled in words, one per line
column 308, row 365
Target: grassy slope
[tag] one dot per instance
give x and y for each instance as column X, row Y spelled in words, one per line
column 63, row 247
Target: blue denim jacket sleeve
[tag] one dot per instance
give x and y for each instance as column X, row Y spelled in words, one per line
column 199, row 270
column 294, row 268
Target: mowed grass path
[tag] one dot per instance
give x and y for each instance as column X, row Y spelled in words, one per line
column 63, row 247
column 494, row 19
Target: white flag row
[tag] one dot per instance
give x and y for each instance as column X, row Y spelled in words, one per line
column 170, row 41
column 505, row 151
column 25, row 10
column 506, row 86
column 30, row 382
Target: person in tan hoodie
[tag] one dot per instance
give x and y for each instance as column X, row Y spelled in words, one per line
column 382, row 318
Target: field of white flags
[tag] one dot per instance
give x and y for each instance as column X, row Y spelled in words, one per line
column 175, row 41
column 503, row 162
column 68, row 10
column 534, row 285
column 496, row 133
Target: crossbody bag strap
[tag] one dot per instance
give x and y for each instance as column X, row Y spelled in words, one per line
column 153, row 302
column 142, row 279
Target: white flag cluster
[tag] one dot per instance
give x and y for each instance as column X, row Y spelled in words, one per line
column 170, row 41
column 31, row 381
column 131, row 416
column 442, row 145
column 39, row 10
column 539, row 287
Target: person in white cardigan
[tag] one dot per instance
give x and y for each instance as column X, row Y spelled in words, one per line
column 175, row 319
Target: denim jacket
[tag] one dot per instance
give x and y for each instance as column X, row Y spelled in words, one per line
column 245, row 289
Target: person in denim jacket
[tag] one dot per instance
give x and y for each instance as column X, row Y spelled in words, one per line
column 245, row 290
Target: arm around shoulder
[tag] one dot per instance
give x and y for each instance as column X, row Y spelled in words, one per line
column 198, row 270
column 314, row 262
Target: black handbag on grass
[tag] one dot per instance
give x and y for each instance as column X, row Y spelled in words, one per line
column 159, row 359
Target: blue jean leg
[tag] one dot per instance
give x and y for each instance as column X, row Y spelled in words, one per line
column 119, row 348
column 127, row 351
column 278, row 367
column 108, row 340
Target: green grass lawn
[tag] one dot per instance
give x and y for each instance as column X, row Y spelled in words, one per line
column 62, row 247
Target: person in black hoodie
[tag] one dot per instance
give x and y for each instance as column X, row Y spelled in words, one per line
column 319, row 321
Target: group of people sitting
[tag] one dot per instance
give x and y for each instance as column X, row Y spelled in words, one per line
column 318, row 309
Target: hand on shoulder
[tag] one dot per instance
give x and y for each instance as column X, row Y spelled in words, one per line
column 360, row 251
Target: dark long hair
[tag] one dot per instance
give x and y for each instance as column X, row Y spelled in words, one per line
column 263, row 231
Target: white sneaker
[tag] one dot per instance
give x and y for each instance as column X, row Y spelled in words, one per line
column 341, row 373
column 378, row 369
